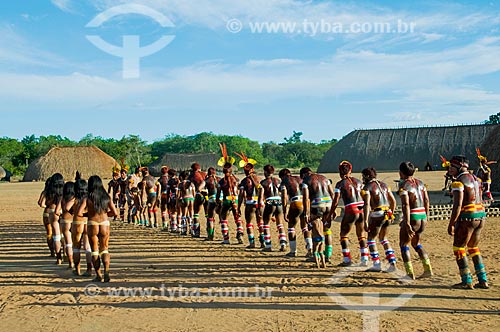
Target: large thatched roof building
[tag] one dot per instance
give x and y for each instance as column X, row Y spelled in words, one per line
column 88, row 160
column 181, row 161
column 4, row 174
column 491, row 149
column 385, row 149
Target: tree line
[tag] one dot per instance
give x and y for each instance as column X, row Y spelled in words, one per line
column 292, row 152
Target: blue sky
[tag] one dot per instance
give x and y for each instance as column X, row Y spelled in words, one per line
column 262, row 85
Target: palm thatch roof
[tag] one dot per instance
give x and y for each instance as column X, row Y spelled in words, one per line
column 385, row 149
column 181, row 161
column 88, row 160
column 491, row 149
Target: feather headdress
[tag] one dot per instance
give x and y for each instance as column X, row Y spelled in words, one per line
column 116, row 169
column 483, row 159
column 245, row 160
column 225, row 161
column 123, row 165
column 445, row 163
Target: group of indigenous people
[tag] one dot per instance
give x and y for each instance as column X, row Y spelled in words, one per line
column 77, row 212
column 307, row 201
column 483, row 174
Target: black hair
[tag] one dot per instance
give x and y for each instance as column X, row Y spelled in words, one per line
column 172, row 172
column 211, row 170
column 460, row 160
column 304, row 171
column 369, row 173
column 345, row 168
column 184, row 175
column 55, row 188
column 47, row 184
column 269, row 169
column 248, row 167
column 81, row 189
column 68, row 191
column 407, row 168
column 284, row 172
column 98, row 195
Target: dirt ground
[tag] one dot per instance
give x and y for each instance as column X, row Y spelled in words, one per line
column 184, row 284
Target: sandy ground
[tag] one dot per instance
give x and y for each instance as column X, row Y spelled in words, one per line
column 192, row 285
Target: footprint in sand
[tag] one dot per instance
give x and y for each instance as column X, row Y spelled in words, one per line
column 286, row 280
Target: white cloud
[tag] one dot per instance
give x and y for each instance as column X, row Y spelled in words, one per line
column 406, row 117
column 68, row 89
column 64, row 5
column 432, row 37
column 17, row 51
column 426, row 79
column 273, row 62
column 448, row 18
column 416, row 81
column 454, row 96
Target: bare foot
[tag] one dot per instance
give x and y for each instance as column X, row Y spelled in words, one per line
column 462, row 285
column 482, row 285
column 410, row 276
column 426, row 274
column 391, row 268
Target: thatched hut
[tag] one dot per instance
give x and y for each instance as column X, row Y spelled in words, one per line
column 491, row 149
column 181, row 161
column 88, row 160
column 4, row 174
column 385, row 149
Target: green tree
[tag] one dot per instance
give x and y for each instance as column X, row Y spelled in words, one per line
column 293, row 152
column 252, row 149
column 207, row 142
column 295, row 138
column 297, row 153
column 34, row 147
column 12, row 155
column 29, row 146
column 45, row 143
column 131, row 148
column 272, row 152
column 494, row 119
column 134, row 150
